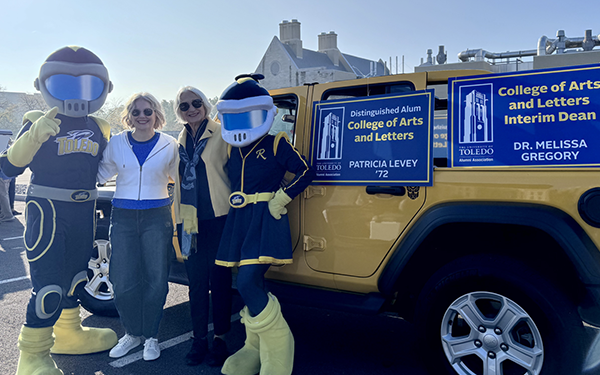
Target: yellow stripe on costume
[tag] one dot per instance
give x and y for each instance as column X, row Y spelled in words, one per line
column 42, row 304
column 41, row 229
column 72, row 290
column 260, row 260
column 277, row 139
column 103, row 125
column 303, row 161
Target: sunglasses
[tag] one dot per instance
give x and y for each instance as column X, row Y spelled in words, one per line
column 197, row 103
column 147, row 111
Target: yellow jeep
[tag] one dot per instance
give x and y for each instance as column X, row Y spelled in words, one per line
column 497, row 266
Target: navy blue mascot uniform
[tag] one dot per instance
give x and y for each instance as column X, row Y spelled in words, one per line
column 62, row 148
column 257, row 230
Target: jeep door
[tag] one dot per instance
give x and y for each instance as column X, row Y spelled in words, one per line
column 349, row 230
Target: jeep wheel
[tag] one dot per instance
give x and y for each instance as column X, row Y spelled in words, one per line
column 97, row 296
column 489, row 315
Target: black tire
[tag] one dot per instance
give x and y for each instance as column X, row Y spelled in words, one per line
column 545, row 324
column 96, row 296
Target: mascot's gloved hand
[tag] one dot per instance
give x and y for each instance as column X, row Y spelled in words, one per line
column 45, row 127
column 277, row 204
column 21, row 153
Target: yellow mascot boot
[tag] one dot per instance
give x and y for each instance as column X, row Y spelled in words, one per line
column 276, row 340
column 72, row 338
column 245, row 361
column 35, row 344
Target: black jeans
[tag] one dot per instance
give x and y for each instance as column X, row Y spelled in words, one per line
column 205, row 276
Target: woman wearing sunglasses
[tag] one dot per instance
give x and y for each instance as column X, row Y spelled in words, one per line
column 204, row 205
column 141, row 228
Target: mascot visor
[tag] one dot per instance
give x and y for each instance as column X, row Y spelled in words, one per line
column 245, row 120
column 67, row 87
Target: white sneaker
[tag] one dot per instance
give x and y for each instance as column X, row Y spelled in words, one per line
column 151, row 349
column 125, row 344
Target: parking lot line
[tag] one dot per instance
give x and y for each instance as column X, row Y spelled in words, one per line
column 129, row 359
column 15, row 279
column 121, row 362
column 12, row 238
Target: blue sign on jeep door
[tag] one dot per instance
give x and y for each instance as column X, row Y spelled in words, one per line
column 375, row 140
column 534, row 118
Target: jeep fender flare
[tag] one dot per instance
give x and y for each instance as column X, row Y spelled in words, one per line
column 577, row 245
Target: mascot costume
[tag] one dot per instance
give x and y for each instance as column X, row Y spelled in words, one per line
column 62, row 148
column 257, row 223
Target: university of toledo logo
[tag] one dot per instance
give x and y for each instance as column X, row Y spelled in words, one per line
column 80, row 196
column 237, row 199
column 331, row 129
column 77, row 141
column 477, row 119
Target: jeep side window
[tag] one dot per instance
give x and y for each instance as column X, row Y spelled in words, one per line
column 285, row 119
column 368, row 90
column 440, row 125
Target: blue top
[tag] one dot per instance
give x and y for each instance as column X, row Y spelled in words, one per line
column 141, row 151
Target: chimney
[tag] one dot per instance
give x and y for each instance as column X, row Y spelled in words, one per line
column 289, row 33
column 327, row 41
column 328, row 45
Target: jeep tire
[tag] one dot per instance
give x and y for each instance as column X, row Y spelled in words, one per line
column 486, row 310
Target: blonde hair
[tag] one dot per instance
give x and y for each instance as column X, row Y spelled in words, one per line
column 154, row 104
column 207, row 106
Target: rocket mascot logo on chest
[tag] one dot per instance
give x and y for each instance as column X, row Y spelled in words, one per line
column 62, row 147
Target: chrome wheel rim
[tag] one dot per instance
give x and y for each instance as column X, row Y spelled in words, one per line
column 99, row 285
column 485, row 333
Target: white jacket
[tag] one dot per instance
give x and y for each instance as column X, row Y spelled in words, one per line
column 135, row 182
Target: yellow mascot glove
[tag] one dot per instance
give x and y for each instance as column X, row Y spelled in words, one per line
column 21, row 153
column 277, row 204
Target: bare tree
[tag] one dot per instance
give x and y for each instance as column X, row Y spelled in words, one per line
column 213, row 113
column 30, row 102
column 7, row 112
column 111, row 112
column 171, row 118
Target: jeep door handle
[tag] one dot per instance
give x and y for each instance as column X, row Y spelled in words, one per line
column 392, row 190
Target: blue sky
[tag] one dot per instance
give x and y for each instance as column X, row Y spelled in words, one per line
column 159, row 46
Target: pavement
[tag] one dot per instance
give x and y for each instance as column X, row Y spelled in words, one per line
column 21, row 185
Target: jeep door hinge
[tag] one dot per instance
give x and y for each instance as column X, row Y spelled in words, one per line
column 314, row 243
column 313, row 190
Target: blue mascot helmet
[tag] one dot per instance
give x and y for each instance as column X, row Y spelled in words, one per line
column 75, row 80
column 246, row 111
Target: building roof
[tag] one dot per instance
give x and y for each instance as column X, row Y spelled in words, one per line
column 362, row 67
column 310, row 59
column 314, row 59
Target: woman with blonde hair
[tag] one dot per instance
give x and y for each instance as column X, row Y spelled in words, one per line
column 141, row 227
